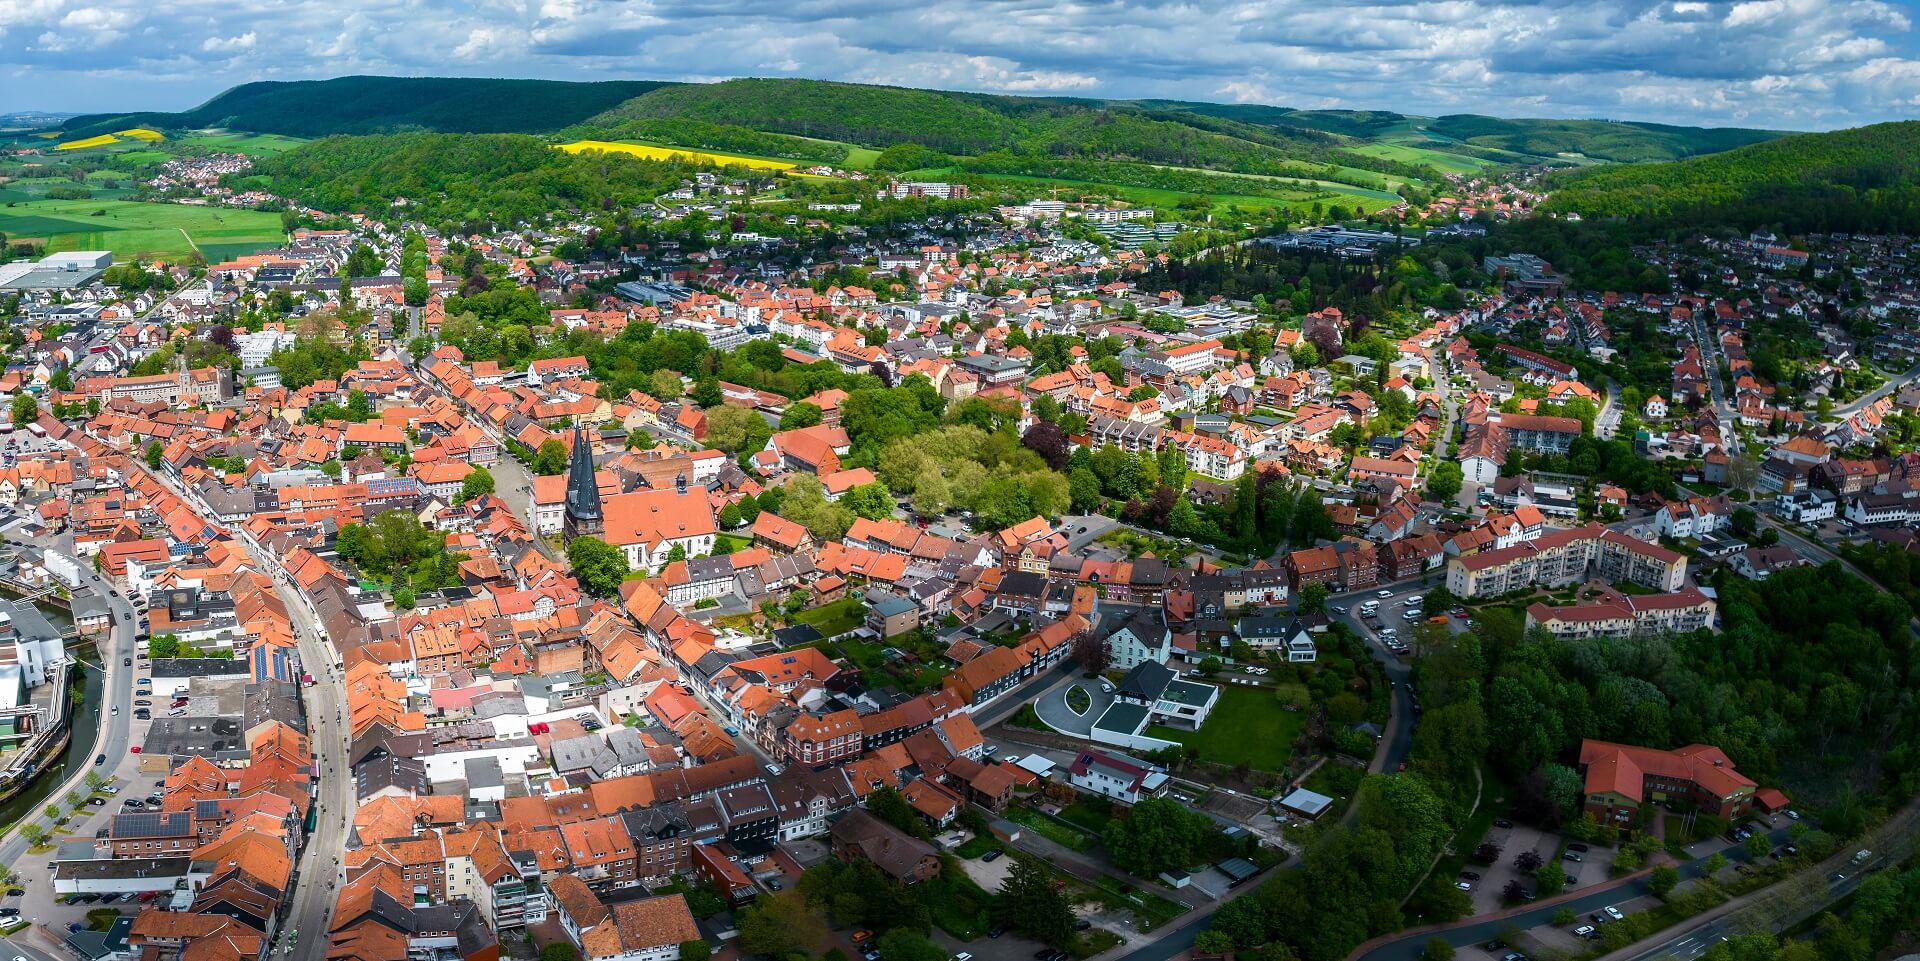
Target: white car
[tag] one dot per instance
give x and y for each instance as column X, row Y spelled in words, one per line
column 1614, row 913
column 1383, row 593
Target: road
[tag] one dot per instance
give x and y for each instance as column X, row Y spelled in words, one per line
column 319, row 866
column 1397, row 739
column 1471, row 933
column 1893, row 383
column 1607, row 423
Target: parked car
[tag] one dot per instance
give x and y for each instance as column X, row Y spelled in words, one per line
column 990, row 856
column 99, row 760
column 1586, row 931
column 1614, row 913
column 1573, row 856
column 1577, row 846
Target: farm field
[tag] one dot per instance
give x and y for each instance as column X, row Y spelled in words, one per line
column 1248, row 726
column 140, row 230
column 1438, row 159
column 1298, row 197
column 251, row 144
column 858, row 157
column 104, row 140
column 653, row 152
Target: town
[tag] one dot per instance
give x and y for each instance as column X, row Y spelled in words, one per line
column 979, row 586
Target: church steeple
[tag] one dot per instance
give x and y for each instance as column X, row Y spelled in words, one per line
column 583, row 491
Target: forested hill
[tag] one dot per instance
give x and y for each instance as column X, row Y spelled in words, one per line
column 1599, row 139
column 967, row 123
column 358, row 105
column 1864, row 179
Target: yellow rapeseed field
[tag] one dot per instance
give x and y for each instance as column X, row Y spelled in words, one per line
column 100, row 141
column 667, row 153
column 140, row 133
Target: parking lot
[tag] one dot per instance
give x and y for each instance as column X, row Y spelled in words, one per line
column 1389, row 615
column 1513, row 842
column 1488, row 889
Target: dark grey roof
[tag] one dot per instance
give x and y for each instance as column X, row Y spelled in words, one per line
column 1146, row 681
column 197, row 667
column 171, row 824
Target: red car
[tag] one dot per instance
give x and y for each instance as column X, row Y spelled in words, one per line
column 134, row 749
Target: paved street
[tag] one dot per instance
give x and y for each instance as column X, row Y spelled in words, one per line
column 1894, row 383
column 319, row 867
column 1583, row 900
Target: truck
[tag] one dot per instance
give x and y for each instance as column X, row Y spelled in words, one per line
column 1862, row 856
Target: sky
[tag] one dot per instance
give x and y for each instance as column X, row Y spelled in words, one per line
column 1787, row 64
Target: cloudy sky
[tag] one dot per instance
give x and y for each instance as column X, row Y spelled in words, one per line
column 1799, row 64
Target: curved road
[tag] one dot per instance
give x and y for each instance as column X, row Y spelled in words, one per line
column 1409, row 947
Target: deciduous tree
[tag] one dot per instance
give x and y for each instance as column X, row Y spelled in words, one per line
column 599, row 565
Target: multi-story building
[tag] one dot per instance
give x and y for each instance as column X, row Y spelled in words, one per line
column 1620, row 778
column 1564, row 557
column 1539, row 434
column 819, row 740
column 1626, row 616
column 649, row 929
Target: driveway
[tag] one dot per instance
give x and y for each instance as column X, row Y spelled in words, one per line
column 1053, row 708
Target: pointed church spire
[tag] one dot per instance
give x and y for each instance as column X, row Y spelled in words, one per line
column 583, row 491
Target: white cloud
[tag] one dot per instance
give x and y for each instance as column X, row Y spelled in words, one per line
column 1789, row 63
column 237, row 44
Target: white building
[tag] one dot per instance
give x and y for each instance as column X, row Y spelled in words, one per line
column 1116, row 776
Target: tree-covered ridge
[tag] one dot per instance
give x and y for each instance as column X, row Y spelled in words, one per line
column 464, row 178
column 349, row 105
column 1867, row 178
column 875, row 116
column 1600, row 139
column 965, row 123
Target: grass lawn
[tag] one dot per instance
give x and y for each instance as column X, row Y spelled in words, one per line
column 978, row 845
column 136, row 230
column 1059, row 832
column 1089, row 814
column 1247, row 726
column 728, row 543
column 835, row 618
